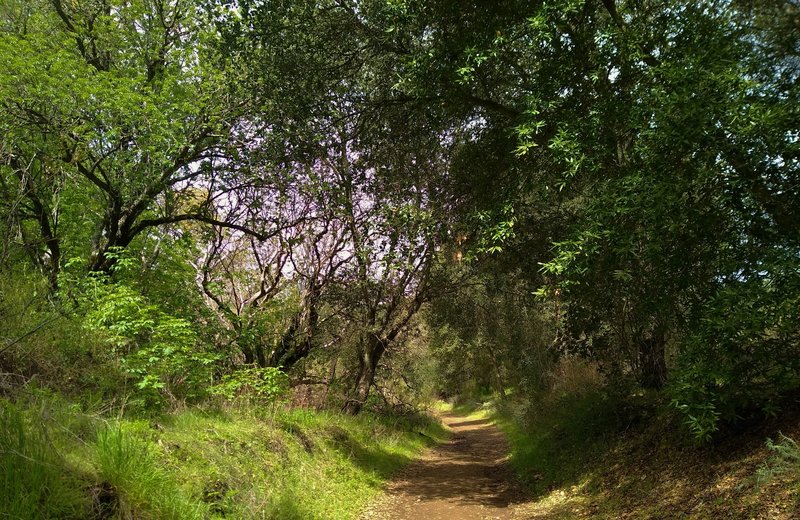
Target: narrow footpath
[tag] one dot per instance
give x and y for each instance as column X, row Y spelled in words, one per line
column 466, row 478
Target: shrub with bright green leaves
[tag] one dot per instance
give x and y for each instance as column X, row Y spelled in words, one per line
column 161, row 352
column 267, row 384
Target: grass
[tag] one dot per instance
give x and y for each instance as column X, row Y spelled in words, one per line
column 582, row 454
column 31, row 473
column 782, row 465
column 59, row 462
column 127, row 466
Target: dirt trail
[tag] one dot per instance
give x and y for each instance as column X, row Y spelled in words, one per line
column 466, row 478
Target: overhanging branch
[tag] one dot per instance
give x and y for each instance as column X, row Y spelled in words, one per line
column 153, row 222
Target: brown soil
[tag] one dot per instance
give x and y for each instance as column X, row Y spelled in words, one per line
column 465, row 478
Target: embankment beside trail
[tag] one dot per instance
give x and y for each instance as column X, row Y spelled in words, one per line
column 593, row 456
column 58, row 461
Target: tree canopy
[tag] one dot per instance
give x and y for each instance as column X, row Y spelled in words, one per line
column 317, row 184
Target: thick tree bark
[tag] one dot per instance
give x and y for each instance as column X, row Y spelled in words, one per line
column 249, row 355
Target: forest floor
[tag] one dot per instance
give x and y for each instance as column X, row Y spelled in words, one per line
column 466, row 477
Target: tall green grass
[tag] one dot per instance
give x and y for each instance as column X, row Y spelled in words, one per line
column 300, row 465
column 59, row 462
column 134, row 484
column 33, row 483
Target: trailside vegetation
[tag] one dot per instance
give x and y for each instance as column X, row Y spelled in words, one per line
column 62, row 459
column 226, row 222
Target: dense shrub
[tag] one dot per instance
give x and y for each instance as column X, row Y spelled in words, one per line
column 745, row 353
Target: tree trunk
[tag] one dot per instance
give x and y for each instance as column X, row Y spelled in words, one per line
column 297, row 341
column 652, row 361
column 261, row 357
column 249, row 355
column 501, row 388
column 47, row 226
column 368, row 362
column 331, row 379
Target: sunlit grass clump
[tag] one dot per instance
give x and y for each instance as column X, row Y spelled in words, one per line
column 199, row 463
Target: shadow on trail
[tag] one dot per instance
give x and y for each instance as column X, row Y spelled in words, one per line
column 476, row 422
column 496, row 492
column 470, row 468
column 466, row 477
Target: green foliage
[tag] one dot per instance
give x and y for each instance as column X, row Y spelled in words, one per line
column 785, row 460
column 101, row 129
column 490, row 336
column 40, row 336
column 140, row 486
column 161, row 352
column 494, row 230
column 552, row 443
column 635, row 161
column 654, row 152
column 58, row 462
column 744, row 355
column 267, row 384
